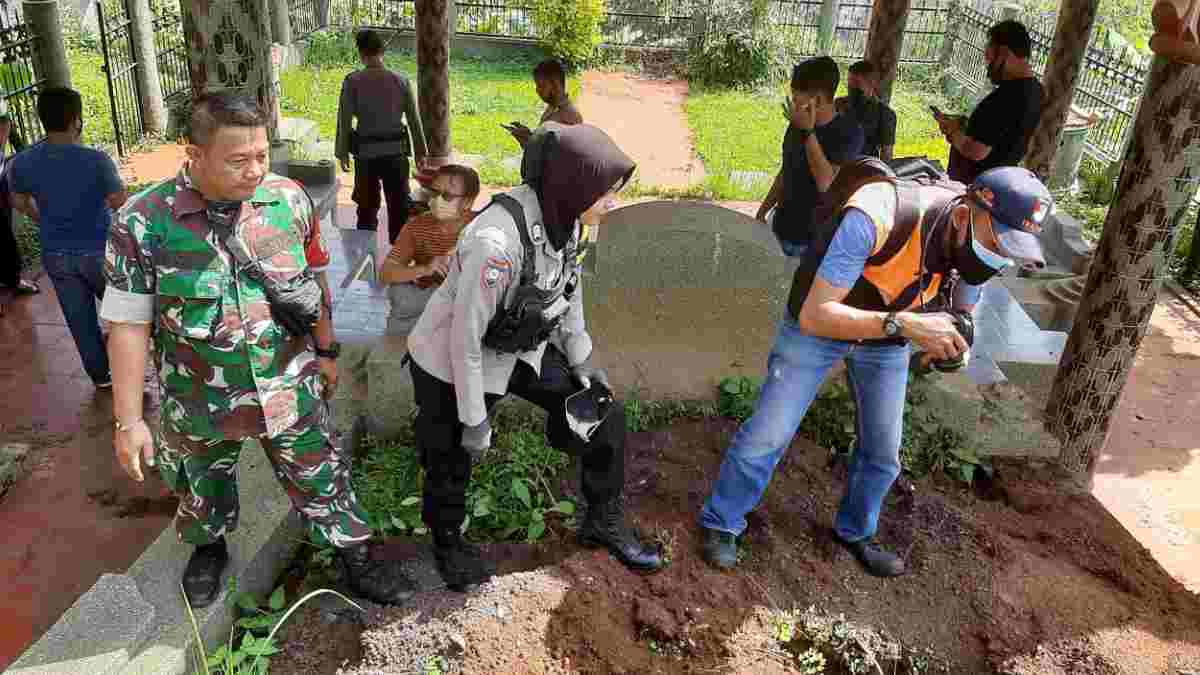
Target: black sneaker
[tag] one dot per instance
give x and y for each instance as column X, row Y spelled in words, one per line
column 875, row 560
column 720, row 549
column 202, row 578
column 460, row 564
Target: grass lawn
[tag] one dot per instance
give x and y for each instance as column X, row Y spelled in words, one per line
column 484, row 94
column 737, row 130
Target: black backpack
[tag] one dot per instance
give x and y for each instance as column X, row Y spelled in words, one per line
column 852, row 177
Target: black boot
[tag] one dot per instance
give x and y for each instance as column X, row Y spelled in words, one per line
column 380, row 581
column 875, row 560
column 605, row 526
column 460, row 564
column 202, row 578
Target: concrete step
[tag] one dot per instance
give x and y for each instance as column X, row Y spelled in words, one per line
column 299, row 131
column 137, row 623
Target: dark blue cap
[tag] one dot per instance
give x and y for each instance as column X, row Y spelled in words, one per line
column 1018, row 204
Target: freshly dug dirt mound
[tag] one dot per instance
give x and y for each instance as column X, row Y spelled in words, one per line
column 1025, row 582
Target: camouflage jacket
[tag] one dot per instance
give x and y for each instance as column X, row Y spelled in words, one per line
column 226, row 370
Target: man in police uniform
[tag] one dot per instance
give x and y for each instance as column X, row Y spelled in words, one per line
column 468, row 351
column 871, row 292
column 222, row 265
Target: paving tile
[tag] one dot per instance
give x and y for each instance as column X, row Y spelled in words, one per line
column 983, row 370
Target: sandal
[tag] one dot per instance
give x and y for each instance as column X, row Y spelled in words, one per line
column 27, row 288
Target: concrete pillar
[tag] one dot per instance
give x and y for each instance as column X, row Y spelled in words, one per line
column 1076, row 19
column 946, row 56
column 433, row 76
column 51, row 63
column 886, row 40
column 1159, row 177
column 281, row 24
column 141, row 27
column 827, row 26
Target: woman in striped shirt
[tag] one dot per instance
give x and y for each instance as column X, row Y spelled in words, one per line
column 417, row 262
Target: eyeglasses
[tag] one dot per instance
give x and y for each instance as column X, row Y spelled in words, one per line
column 448, row 196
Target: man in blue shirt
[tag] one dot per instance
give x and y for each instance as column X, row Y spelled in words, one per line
column 874, row 290
column 818, row 141
column 70, row 190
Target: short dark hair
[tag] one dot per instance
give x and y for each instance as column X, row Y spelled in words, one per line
column 59, row 107
column 1014, row 35
column 219, row 109
column 550, row 69
column 818, row 74
column 863, row 69
column 469, row 178
column 370, row 43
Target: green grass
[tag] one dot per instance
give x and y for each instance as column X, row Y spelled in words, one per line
column 737, row 130
column 483, row 95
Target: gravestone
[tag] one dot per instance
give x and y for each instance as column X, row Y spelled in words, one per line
column 680, row 294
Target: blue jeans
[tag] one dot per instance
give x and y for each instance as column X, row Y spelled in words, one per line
column 79, row 282
column 796, row 367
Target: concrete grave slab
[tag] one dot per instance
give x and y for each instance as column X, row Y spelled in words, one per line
column 683, row 294
column 150, row 632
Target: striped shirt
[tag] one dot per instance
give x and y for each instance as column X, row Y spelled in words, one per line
column 422, row 239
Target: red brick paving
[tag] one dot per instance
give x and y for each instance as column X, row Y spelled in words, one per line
column 62, row 523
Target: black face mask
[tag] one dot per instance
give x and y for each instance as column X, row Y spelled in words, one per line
column 973, row 270
column 995, row 71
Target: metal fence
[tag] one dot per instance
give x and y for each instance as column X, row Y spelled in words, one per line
column 19, row 82
column 797, row 23
column 925, row 31
column 120, row 68
column 171, row 50
column 496, row 19
column 1109, row 86
column 654, row 23
column 304, row 17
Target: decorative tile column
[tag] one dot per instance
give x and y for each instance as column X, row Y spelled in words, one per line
column 229, row 47
column 1076, row 18
column 1161, row 172
column 885, row 41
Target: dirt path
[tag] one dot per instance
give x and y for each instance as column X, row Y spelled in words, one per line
column 1149, row 474
column 645, row 117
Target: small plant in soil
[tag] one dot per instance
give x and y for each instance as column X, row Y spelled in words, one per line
column 819, row 642
column 434, row 665
column 249, row 650
column 665, row 539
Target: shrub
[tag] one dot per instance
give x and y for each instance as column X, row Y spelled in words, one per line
column 569, row 30
column 737, row 49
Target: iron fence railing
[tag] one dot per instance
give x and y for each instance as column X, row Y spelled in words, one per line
column 19, row 81
column 171, row 50
column 798, row 25
column 634, row 23
column 120, row 68
column 304, row 16
column 1109, row 86
column 497, row 19
column 925, row 31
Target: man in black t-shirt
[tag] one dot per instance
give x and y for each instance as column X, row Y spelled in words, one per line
column 877, row 120
column 998, row 131
column 818, row 141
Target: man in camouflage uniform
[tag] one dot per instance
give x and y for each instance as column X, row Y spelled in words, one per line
column 205, row 262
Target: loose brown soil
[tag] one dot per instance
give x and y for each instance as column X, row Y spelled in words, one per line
column 1025, row 581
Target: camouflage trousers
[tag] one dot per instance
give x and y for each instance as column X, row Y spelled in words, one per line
column 308, row 463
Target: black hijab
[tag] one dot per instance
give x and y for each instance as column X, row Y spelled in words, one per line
column 571, row 167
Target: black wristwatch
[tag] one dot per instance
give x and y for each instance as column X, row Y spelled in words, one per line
column 331, row 352
column 891, row 327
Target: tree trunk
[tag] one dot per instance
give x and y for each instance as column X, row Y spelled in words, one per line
column 1157, row 181
column 433, row 76
column 1076, row 19
column 885, row 41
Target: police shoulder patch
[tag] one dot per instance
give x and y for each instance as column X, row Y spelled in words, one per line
column 494, row 271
